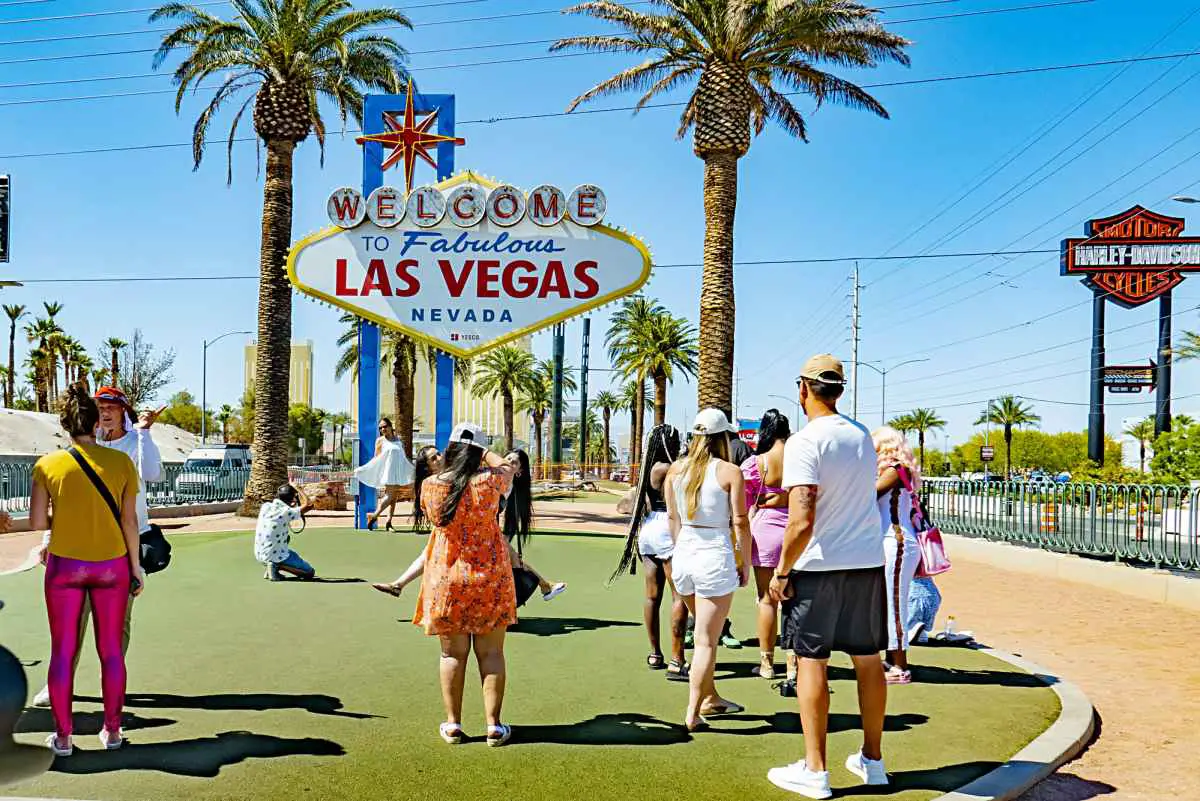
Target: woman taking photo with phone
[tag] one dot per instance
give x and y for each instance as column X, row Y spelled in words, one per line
column 93, row 554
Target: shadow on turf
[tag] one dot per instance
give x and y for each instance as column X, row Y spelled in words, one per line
column 239, row 702
column 930, row 674
column 202, row 756
column 613, row 729
column 789, row 723
column 41, row 720
column 553, row 626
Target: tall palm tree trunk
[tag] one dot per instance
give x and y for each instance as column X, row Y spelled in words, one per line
column 273, row 360
column 921, row 447
column 402, row 391
column 607, row 434
column 538, row 419
column 10, row 388
column 1007, row 452
column 1142, row 456
column 660, row 398
column 116, row 366
column 639, row 417
column 507, row 397
column 716, row 289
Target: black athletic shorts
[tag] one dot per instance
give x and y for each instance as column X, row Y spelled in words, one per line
column 836, row 610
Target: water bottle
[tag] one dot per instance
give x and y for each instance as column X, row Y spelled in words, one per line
column 949, row 630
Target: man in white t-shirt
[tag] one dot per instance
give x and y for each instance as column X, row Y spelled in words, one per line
column 830, row 576
column 273, row 534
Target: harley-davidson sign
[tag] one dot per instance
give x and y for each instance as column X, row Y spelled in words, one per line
column 1134, row 257
column 468, row 264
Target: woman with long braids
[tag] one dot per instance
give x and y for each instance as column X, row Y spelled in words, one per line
column 704, row 495
column 467, row 595
column 767, row 504
column 649, row 541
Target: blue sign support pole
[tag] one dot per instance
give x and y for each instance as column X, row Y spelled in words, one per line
column 368, row 334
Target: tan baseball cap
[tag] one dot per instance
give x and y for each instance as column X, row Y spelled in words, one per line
column 824, row 367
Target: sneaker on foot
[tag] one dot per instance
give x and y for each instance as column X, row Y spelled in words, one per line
column 729, row 641
column 63, row 749
column 42, row 699
column 871, row 771
column 897, row 676
column 555, row 591
column 112, row 740
column 797, row 778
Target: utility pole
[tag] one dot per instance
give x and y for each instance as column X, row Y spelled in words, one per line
column 556, row 410
column 583, row 398
column 854, row 337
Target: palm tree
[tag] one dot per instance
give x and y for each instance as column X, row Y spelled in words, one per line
column 607, row 403
column 40, row 331
column 923, row 420
column 657, row 346
column 15, row 314
column 506, row 371
column 903, row 423
column 288, row 54
column 545, row 368
column 536, row 399
column 99, row 376
column 629, row 319
column 1143, row 432
column 339, row 422
column 225, row 417
column 631, row 395
column 1007, row 411
column 736, row 52
column 115, row 346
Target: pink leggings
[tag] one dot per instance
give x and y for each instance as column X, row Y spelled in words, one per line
column 68, row 582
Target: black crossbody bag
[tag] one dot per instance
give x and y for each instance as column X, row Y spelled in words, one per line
column 155, row 551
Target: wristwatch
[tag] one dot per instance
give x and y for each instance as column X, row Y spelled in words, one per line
column 785, row 577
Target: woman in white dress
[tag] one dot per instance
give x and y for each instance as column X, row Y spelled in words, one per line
column 705, row 568
column 897, row 468
column 387, row 472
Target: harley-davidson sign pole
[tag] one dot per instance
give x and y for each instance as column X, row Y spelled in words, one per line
column 1096, row 411
column 1162, row 406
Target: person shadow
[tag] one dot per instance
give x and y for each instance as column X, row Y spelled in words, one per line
column 38, row 719
column 18, row 762
column 789, row 723
column 620, row 728
column 239, row 702
column 555, row 626
column 932, row 674
column 201, row 757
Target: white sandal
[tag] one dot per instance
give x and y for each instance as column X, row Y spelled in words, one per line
column 499, row 735
column 452, row 733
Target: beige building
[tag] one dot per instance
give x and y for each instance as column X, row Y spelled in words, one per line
column 301, row 386
column 484, row 411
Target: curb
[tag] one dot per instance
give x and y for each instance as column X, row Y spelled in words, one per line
column 1060, row 743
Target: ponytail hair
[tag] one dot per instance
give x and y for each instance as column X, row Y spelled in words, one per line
column 78, row 413
column 704, row 449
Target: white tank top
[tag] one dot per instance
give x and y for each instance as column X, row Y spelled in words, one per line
column 713, row 510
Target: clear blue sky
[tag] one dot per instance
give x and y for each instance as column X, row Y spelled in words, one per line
column 858, row 189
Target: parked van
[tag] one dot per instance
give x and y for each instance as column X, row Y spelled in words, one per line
column 214, row 473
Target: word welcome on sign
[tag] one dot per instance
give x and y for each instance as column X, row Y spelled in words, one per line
column 468, row 264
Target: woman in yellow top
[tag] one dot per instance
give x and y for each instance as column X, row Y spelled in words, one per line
column 91, row 554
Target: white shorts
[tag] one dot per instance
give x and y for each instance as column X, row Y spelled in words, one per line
column 654, row 537
column 704, row 564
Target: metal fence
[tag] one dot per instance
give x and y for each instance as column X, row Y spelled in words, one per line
column 178, row 486
column 1148, row 524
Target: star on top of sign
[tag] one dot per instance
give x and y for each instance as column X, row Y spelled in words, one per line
column 408, row 139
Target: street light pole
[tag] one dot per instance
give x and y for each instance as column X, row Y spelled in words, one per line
column 883, row 372
column 204, row 383
column 796, row 401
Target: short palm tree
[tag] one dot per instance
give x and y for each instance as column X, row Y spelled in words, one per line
column 536, row 399
column 1143, row 432
column 506, row 372
column 923, row 420
column 1010, row 413
column 633, row 315
column 607, row 403
column 740, row 54
column 114, row 347
column 1190, row 349
column 286, row 55
column 15, row 314
column 40, row 331
column 631, row 396
column 339, row 421
column 225, row 417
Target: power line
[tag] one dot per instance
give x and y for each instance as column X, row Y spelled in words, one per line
column 91, row 14
column 610, row 110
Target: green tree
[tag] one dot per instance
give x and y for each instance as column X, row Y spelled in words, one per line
column 242, row 429
column 40, row 331
column 307, row 423
column 15, row 314
column 182, row 411
column 924, row 420
column 288, row 55
column 1143, row 432
column 743, row 59
column 536, row 400
column 902, row 423
column 505, row 372
column 224, row 417
column 607, row 403
column 115, row 346
column 633, row 316
column 339, row 422
column 1007, row 411
column 23, row 401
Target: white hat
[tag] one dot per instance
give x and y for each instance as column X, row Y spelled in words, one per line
column 469, row 434
column 711, row 421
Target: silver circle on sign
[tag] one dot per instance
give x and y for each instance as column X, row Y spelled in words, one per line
column 386, row 206
column 465, row 205
column 547, row 205
column 587, row 205
column 505, row 206
column 426, row 206
column 346, row 207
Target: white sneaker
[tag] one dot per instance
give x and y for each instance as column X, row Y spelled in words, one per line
column 42, row 699
column 797, row 778
column 111, row 741
column 871, row 771
column 60, row 750
column 555, row 591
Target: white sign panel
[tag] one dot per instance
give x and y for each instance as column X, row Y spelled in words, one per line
column 467, row 289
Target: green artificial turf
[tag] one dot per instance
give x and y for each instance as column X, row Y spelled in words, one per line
column 246, row 689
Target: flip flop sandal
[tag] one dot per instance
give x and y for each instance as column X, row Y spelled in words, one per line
column 388, row 589
column 452, row 733
column 727, row 708
column 677, row 671
column 656, row 662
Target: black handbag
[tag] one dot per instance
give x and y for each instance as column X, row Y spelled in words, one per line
column 155, row 551
column 527, row 584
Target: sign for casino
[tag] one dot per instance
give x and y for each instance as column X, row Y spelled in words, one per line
column 469, row 263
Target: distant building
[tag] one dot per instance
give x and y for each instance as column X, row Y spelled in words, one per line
column 300, row 388
column 468, row 407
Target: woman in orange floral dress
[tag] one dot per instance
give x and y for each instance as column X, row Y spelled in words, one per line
column 468, row 598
